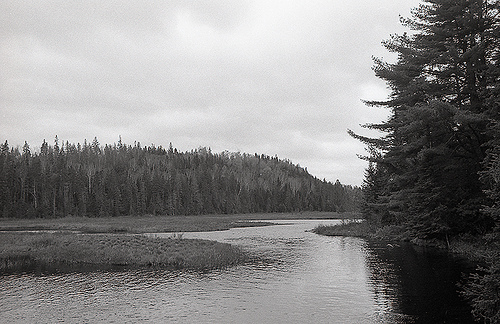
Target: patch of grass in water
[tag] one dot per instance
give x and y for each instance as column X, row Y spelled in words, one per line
column 160, row 224
column 77, row 250
column 355, row 229
column 364, row 230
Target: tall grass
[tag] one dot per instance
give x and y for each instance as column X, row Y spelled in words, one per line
column 76, row 250
column 355, row 229
column 364, row 230
column 157, row 224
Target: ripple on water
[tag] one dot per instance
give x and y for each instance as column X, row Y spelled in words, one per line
column 299, row 277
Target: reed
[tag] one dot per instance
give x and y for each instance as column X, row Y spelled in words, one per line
column 18, row 250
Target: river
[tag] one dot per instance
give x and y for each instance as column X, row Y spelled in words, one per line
column 299, row 277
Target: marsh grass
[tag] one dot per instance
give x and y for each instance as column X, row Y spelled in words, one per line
column 158, row 224
column 77, row 242
column 354, row 229
column 18, row 250
column 364, row 230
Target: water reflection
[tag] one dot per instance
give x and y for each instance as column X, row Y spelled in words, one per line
column 302, row 278
column 415, row 284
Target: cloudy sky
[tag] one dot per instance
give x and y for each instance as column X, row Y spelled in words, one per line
column 271, row 77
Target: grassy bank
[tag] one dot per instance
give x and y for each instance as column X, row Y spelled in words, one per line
column 353, row 229
column 112, row 242
column 362, row 229
column 158, row 224
column 476, row 249
column 18, row 250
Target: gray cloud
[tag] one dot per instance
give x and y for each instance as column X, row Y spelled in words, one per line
column 258, row 76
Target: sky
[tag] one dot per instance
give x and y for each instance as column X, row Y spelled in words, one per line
column 280, row 78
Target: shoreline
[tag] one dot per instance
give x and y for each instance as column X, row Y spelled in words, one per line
column 474, row 249
column 76, row 243
column 480, row 287
column 160, row 224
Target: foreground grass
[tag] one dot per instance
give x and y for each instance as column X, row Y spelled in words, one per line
column 158, row 224
column 19, row 250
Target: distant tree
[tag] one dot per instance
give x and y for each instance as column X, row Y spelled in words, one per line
column 56, row 144
column 91, row 180
column 44, row 149
column 95, row 146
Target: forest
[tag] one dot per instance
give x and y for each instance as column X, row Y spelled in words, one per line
column 66, row 179
column 434, row 174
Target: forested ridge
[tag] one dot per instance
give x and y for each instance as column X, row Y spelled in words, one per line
column 435, row 173
column 112, row 180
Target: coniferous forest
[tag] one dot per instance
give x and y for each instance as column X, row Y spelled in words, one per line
column 436, row 169
column 112, row 180
column 435, row 173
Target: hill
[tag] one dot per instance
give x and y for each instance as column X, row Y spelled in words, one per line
column 114, row 180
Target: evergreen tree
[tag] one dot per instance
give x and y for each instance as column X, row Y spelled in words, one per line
column 114, row 180
column 441, row 107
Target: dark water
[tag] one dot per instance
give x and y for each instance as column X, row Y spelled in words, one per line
column 302, row 278
column 422, row 284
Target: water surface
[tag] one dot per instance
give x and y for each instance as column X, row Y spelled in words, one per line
column 300, row 277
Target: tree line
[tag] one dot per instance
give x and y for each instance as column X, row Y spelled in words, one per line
column 112, row 180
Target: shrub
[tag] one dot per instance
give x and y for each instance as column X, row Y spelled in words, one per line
column 483, row 291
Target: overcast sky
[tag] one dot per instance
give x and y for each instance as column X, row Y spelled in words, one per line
column 270, row 77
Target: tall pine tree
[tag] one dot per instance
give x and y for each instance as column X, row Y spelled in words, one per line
column 441, row 111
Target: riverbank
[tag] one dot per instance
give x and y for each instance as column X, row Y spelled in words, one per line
column 160, row 224
column 352, row 229
column 79, row 242
column 480, row 288
column 476, row 249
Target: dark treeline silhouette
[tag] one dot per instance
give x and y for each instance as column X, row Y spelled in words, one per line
column 91, row 180
column 435, row 170
column 435, row 174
